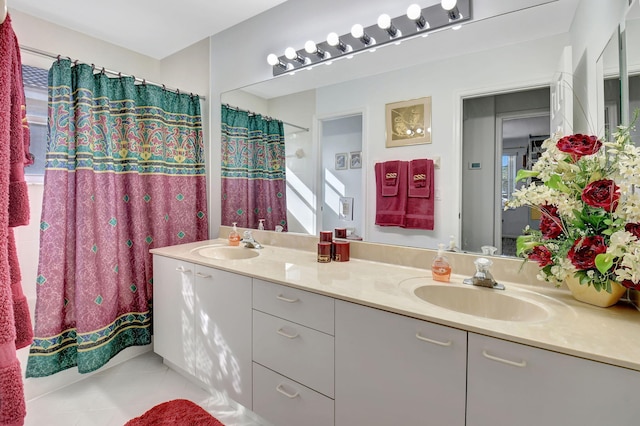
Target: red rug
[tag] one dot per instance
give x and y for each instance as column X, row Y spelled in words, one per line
column 176, row 412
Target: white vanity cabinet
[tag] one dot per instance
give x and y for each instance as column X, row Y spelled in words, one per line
column 202, row 324
column 223, row 332
column 174, row 323
column 293, row 354
column 395, row 370
column 514, row 384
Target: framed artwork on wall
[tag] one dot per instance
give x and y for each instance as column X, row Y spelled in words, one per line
column 341, row 161
column 355, row 160
column 408, row 122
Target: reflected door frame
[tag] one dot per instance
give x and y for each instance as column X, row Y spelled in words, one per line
column 360, row 213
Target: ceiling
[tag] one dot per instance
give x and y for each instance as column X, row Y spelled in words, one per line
column 155, row 28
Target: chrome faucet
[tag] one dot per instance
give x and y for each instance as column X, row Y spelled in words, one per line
column 483, row 277
column 249, row 242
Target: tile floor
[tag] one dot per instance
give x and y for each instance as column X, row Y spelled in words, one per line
column 120, row 393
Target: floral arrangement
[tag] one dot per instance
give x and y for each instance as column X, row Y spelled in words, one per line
column 588, row 194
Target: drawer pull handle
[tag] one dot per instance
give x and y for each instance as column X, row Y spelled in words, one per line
column 201, row 275
column 182, row 269
column 285, row 393
column 287, row 335
column 435, row 342
column 521, row 364
column 286, row 299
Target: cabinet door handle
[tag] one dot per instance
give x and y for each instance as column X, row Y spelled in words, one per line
column 285, row 393
column 287, row 335
column 521, row 364
column 286, row 299
column 435, row 342
column 201, row 275
column 182, row 269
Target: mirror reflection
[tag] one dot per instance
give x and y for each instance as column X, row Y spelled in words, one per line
column 528, row 82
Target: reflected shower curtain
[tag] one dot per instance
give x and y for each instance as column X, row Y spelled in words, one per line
column 124, row 174
column 253, row 170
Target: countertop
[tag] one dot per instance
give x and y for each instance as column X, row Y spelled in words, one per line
column 607, row 335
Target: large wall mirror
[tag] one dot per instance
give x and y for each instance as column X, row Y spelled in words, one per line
column 453, row 68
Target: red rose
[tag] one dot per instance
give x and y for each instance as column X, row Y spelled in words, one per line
column 631, row 285
column 579, row 145
column 550, row 223
column 583, row 252
column 633, row 228
column 602, row 193
column 542, row 255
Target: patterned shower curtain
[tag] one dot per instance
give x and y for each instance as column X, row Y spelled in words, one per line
column 253, row 170
column 124, row 174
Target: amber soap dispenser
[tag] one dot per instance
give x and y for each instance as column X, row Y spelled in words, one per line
column 441, row 268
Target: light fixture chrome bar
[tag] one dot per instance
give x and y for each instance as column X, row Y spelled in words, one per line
column 421, row 21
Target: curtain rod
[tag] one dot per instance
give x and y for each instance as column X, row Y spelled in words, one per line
column 102, row 69
column 306, row 129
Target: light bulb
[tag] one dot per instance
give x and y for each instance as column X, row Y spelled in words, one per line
column 333, row 39
column 357, row 31
column 448, row 4
column 273, row 60
column 310, row 47
column 290, row 53
column 384, row 21
column 413, row 12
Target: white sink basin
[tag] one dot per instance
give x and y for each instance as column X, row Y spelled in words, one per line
column 482, row 302
column 218, row 252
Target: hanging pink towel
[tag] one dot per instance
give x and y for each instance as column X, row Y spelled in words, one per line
column 420, row 178
column 420, row 200
column 390, row 209
column 391, row 170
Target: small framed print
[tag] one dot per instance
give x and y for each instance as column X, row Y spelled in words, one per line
column 408, row 122
column 341, row 161
column 355, row 160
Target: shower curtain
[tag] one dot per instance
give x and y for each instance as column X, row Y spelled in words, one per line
column 253, row 170
column 124, row 174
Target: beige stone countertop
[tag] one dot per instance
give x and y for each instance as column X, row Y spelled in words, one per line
column 607, row 335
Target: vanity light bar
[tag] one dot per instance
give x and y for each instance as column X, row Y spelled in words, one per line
column 433, row 18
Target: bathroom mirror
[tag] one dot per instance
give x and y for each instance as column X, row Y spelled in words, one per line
column 483, row 62
column 610, row 106
column 631, row 55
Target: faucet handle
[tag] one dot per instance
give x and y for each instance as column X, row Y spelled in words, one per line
column 248, row 235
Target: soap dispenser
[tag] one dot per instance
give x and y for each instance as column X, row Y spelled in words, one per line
column 441, row 268
column 234, row 236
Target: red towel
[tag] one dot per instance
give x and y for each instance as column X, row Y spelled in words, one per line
column 391, row 170
column 420, row 200
column 12, row 146
column 390, row 210
column 22, row 318
column 420, row 175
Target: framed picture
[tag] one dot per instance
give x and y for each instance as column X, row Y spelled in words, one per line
column 341, row 161
column 355, row 160
column 408, row 122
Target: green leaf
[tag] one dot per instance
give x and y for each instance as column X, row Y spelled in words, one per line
column 524, row 174
column 555, row 182
column 525, row 243
column 604, row 262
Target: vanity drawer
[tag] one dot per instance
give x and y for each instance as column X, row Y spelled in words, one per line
column 287, row 403
column 300, row 353
column 303, row 307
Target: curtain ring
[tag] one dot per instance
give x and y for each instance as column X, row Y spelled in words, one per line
column 178, row 91
column 102, row 71
column 58, row 58
column 93, row 67
column 164, row 87
column 75, row 63
column 144, row 82
column 119, row 74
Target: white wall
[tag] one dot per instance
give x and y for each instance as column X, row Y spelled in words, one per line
column 187, row 70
